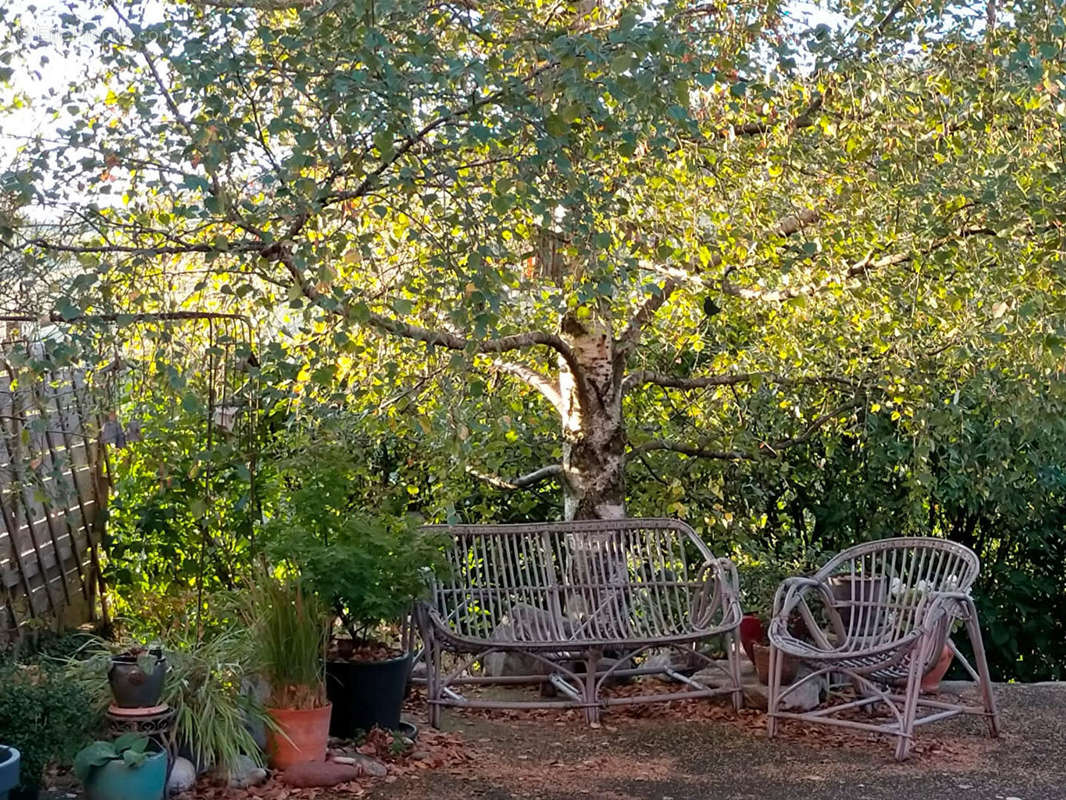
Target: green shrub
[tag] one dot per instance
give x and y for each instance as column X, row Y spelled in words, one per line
column 44, row 716
column 366, row 562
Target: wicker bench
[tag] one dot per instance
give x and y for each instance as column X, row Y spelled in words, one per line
column 584, row 603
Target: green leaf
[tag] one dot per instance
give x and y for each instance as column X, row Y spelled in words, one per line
column 94, row 755
column 134, row 758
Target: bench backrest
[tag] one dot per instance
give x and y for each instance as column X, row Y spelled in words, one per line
column 596, row 580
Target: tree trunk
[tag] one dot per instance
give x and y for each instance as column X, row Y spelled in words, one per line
column 594, row 437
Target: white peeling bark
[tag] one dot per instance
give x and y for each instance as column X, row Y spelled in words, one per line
column 594, row 437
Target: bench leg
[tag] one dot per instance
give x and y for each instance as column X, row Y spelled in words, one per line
column 434, row 682
column 732, row 644
column 591, row 695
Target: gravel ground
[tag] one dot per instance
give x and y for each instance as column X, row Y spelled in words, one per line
column 668, row 757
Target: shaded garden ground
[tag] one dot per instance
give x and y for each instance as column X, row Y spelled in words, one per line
column 695, row 750
column 699, row 751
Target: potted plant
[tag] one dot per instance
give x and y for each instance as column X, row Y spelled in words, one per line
column 203, row 686
column 129, row 768
column 759, row 582
column 367, row 569
column 291, row 628
column 9, row 770
column 136, row 677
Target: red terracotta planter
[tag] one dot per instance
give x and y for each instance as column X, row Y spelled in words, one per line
column 302, row 736
column 931, row 679
column 762, row 665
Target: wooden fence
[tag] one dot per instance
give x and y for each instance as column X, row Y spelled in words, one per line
column 52, row 496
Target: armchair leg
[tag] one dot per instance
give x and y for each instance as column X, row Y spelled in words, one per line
column 592, row 700
column 973, row 630
column 773, row 691
column 910, row 704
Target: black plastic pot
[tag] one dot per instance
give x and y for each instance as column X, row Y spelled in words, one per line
column 365, row 694
column 131, row 686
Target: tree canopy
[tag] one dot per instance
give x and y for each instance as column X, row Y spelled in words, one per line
column 684, row 229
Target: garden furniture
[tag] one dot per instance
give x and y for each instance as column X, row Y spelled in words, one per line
column 583, row 602
column 879, row 615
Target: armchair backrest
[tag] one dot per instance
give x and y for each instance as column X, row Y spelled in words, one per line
column 882, row 589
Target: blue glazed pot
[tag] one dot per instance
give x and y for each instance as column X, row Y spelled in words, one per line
column 116, row 781
column 9, row 769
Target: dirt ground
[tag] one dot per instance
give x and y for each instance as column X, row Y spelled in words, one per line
column 689, row 751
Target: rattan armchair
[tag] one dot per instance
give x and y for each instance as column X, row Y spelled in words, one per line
column 878, row 615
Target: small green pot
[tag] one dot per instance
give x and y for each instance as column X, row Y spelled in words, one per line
column 117, row 781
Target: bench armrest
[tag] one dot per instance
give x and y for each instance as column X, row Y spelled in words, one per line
column 721, row 589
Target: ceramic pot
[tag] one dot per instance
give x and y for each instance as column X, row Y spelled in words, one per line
column 857, row 597
column 116, row 780
column 751, row 631
column 10, row 758
column 131, row 686
column 302, row 735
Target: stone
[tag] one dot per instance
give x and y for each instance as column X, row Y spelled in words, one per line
column 245, row 773
column 523, row 622
column 319, row 774
column 804, row 698
column 259, row 690
column 365, row 764
column 718, row 674
column 182, row 776
column 807, row 696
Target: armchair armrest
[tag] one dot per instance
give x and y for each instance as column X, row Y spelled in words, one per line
column 953, row 605
column 789, row 598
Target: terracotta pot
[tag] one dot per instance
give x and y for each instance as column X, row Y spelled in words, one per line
column 302, row 736
column 762, row 665
column 931, row 679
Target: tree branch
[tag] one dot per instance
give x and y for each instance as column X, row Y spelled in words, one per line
column 257, row 5
column 521, row 482
column 531, row 377
column 641, row 377
column 862, row 267
column 765, row 449
column 804, row 119
column 406, row 330
column 630, row 337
